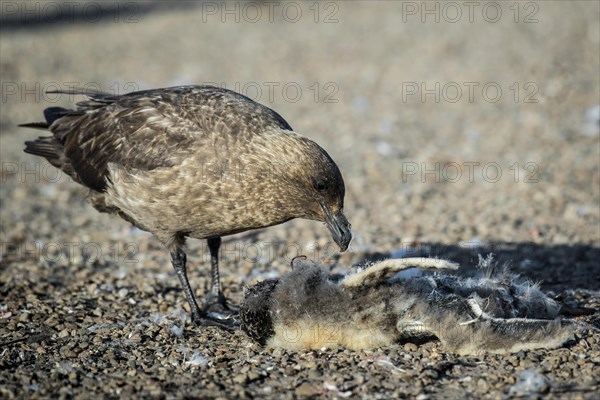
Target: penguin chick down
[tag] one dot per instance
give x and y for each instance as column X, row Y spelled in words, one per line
column 308, row 309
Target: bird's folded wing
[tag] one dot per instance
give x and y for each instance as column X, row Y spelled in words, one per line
column 132, row 136
column 155, row 128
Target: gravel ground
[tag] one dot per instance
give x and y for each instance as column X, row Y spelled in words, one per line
column 91, row 307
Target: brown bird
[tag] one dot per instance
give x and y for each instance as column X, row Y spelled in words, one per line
column 193, row 161
column 308, row 309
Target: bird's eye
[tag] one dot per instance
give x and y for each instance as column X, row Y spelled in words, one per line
column 320, row 186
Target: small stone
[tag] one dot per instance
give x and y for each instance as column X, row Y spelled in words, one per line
column 306, row 389
column 411, row 347
column 482, row 385
column 253, row 375
column 315, row 373
column 431, row 373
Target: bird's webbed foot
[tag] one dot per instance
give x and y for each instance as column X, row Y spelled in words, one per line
column 217, row 307
column 211, row 318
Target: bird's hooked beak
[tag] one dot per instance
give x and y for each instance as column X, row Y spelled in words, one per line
column 339, row 227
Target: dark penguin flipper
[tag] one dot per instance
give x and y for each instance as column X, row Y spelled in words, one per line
column 387, row 268
column 479, row 332
column 503, row 336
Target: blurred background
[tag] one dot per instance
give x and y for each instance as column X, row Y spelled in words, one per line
column 451, row 123
column 461, row 128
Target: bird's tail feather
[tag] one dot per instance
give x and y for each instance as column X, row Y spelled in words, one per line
column 95, row 94
column 47, row 147
column 36, row 125
column 95, row 99
column 51, row 114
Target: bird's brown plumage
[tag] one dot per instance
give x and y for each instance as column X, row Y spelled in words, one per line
column 193, row 161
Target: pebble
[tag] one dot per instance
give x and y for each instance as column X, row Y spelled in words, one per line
column 411, row 347
column 306, row 390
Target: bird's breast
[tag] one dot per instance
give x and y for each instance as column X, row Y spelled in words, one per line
column 203, row 198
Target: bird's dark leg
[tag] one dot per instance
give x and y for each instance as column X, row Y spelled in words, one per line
column 215, row 285
column 199, row 317
column 215, row 301
column 179, row 261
